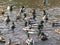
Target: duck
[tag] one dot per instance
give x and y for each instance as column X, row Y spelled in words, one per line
column 8, row 42
column 25, row 15
column 7, row 19
column 10, row 8
column 43, row 37
column 2, row 40
column 34, row 14
column 45, row 18
column 30, row 41
column 57, row 31
column 26, row 23
column 22, row 9
column 12, row 26
column 41, row 22
column 44, row 12
column 40, row 26
column 2, row 11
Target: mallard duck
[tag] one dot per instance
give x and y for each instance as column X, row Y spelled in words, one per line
column 2, row 39
column 57, row 31
column 40, row 26
column 2, row 11
column 12, row 26
column 10, row 8
column 41, row 22
column 29, row 41
column 43, row 37
column 8, row 42
column 45, row 18
column 22, row 9
column 25, row 15
column 7, row 19
column 44, row 12
column 26, row 23
column 34, row 14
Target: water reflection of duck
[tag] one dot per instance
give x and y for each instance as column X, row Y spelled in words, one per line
column 7, row 19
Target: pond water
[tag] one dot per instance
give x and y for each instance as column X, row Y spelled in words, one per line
column 19, row 36
column 2, row 43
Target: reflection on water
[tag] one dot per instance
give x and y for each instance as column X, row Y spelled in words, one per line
column 2, row 43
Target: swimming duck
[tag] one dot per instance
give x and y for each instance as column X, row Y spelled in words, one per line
column 12, row 26
column 22, row 9
column 7, row 20
column 10, row 8
column 2, row 11
column 44, row 12
column 43, row 37
column 45, row 18
column 34, row 14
